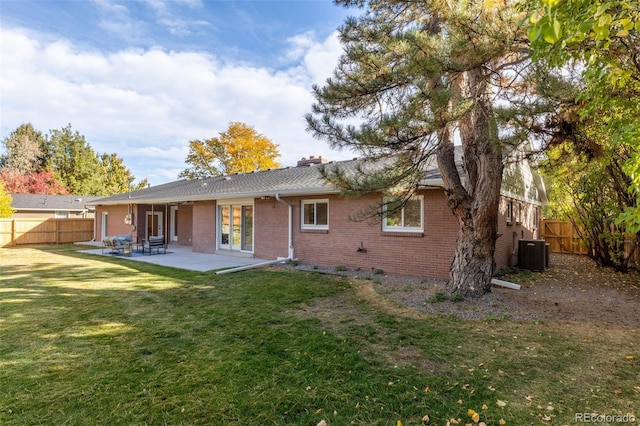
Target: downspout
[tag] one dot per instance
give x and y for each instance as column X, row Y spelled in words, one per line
column 281, row 201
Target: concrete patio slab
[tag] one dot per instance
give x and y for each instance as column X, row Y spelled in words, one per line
column 182, row 257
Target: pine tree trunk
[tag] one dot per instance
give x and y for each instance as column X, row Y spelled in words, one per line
column 473, row 199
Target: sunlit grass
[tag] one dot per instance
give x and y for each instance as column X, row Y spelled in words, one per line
column 107, row 341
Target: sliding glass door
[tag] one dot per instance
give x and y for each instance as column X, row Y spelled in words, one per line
column 235, row 227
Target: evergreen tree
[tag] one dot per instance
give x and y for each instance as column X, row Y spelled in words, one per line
column 411, row 73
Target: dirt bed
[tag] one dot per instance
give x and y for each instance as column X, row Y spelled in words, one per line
column 573, row 288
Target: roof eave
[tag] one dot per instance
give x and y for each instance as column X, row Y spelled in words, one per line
column 228, row 196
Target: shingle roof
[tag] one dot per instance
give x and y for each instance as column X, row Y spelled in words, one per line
column 50, row 202
column 290, row 181
column 303, row 180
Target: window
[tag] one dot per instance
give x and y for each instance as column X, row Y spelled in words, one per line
column 509, row 212
column 407, row 218
column 315, row 214
column 518, row 213
column 62, row 214
column 534, row 225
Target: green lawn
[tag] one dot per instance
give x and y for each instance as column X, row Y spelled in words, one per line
column 108, row 341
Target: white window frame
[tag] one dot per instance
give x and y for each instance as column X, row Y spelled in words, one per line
column 62, row 214
column 509, row 212
column 315, row 208
column 402, row 228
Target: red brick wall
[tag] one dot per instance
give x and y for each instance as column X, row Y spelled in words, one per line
column 271, row 227
column 185, row 223
column 115, row 220
column 427, row 254
column 204, row 227
column 417, row 254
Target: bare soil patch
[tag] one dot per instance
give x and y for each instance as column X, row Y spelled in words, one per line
column 572, row 289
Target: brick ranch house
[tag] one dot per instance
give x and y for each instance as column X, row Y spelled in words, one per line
column 292, row 213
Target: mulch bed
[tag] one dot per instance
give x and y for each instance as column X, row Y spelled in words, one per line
column 573, row 289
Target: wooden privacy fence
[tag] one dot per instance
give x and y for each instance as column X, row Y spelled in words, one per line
column 15, row 232
column 562, row 237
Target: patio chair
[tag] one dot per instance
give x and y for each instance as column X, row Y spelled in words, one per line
column 154, row 243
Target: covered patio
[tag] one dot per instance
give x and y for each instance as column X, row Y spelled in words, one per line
column 183, row 257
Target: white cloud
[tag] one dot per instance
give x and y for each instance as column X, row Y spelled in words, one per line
column 147, row 105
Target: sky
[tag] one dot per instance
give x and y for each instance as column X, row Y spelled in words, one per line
column 142, row 78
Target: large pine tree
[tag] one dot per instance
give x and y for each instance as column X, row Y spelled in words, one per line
column 414, row 72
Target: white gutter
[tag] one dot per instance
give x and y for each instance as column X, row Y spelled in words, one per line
column 281, row 201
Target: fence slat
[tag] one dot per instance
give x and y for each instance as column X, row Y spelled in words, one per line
column 44, row 231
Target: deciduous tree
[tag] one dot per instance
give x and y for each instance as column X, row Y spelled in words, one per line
column 73, row 161
column 32, row 183
column 410, row 74
column 5, row 202
column 23, row 152
column 116, row 177
column 603, row 38
column 239, row 149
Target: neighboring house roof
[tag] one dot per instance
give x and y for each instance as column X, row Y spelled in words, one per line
column 289, row 181
column 51, row 202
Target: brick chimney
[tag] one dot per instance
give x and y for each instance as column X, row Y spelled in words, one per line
column 312, row 160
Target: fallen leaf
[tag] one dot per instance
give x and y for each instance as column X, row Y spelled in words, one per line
column 617, row 392
column 484, row 407
column 475, row 417
column 501, row 403
column 630, row 357
column 319, row 410
column 426, row 418
column 399, row 423
column 502, row 422
column 322, row 423
column 427, row 389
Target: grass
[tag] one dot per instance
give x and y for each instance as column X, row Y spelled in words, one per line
column 103, row 341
